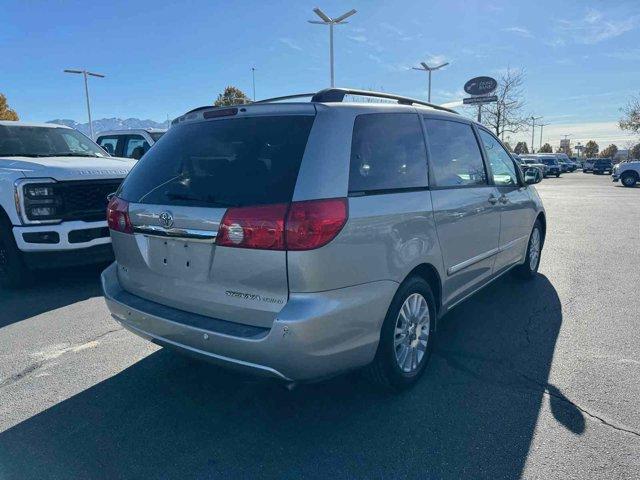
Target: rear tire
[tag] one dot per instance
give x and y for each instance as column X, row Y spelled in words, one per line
column 557, row 175
column 529, row 268
column 406, row 338
column 629, row 179
column 13, row 272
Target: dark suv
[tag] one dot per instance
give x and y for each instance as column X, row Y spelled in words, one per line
column 602, row 165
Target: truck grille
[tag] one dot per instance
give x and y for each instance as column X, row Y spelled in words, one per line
column 86, row 200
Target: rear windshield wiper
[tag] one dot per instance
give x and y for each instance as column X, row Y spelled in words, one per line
column 208, row 200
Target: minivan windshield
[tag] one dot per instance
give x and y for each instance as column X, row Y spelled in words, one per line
column 27, row 141
column 549, row 161
column 221, row 163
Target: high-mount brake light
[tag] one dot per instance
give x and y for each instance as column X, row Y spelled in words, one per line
column 118, row 215
column 225, row 112
column 303, row 225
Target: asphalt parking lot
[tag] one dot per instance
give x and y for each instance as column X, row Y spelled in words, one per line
column 529, row 380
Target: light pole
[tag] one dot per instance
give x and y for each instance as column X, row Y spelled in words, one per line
column 533, row 131
column 428, row 69
column 86, row 92
column 542, row 125
column 326, row 20
column 253, row 78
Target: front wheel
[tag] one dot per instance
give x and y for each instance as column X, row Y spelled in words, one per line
column 557, row 175
column 534, row 249
column 629, row 179
column 13, row 272
column 406, row 337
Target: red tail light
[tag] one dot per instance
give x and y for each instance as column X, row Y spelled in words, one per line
column 254, row 227
column 315, row 223
column 118, row 215
column 296, row 226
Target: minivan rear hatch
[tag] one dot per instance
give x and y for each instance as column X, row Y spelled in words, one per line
column 178, row 194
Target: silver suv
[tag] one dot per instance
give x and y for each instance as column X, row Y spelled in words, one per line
column 305, row 239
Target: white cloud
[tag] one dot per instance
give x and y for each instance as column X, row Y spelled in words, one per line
column 522, row 31
column 392, row 29
column 357, row 38
column 290, row 43
column 626, row 55
column 595, row 27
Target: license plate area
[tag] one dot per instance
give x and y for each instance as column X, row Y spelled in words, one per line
column 179, row 258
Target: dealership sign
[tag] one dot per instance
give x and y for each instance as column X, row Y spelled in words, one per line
column 480, row 100
column 481, row 86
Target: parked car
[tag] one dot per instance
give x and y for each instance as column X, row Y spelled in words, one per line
column 532, row 162
column 567, row 164
column 54, row 183
column 304, row 239
column 550, row 160
column 602, row 166
column 129, row 143
column 628, row 173
column 587, row 165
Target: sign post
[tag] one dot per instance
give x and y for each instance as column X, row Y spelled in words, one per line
column 480, row 89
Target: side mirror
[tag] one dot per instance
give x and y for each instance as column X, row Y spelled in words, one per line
column 532, row 175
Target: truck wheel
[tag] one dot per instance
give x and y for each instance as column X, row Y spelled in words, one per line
column 534, row 250
column 13, row 272
column 406, row 337
column 557, row 175
column 629, row 179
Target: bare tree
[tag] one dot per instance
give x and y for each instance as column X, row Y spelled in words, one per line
column 631, row 115
column 506, row 116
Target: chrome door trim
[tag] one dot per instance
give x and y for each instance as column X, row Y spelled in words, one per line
column 467, row 263
column 483, row 256
column 476, row 290
column 205, row 236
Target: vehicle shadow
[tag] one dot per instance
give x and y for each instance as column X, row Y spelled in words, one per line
column 52, row 289
column 472, row 415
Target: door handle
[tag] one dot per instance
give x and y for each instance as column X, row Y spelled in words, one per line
column 492, row 199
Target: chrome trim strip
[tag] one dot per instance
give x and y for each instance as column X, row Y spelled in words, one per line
column 206, row 236
column 484, row 256
column 473, row 292
column 467, row 263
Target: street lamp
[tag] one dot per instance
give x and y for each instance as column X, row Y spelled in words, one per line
column 86, row 92
column 427, row 68
column 533, row 131
column 326, row 20
column 542, row 125
column 253, row 77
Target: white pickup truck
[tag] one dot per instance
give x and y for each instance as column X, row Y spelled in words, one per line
column 628, row 173
column 54, row 183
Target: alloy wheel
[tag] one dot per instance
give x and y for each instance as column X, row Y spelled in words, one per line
column 412, row 333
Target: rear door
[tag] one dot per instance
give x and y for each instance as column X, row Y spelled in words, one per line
column 465, row 205
column 179, row 193
column 517, row 209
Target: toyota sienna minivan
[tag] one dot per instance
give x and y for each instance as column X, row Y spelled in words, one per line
column 300, row 240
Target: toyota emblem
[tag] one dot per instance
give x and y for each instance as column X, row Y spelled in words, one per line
column 166, row 219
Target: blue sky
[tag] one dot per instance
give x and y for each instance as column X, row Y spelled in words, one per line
column 581, row 59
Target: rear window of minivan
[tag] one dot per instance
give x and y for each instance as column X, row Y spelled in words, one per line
column 226, row 162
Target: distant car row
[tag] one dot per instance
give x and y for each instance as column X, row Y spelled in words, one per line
column 549, row 164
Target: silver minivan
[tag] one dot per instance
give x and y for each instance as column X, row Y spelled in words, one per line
column 305, row 239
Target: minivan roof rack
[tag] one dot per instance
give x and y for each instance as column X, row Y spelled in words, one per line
column 336, row 95
column 329, row 95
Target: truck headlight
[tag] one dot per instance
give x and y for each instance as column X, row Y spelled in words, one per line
column 39, row 202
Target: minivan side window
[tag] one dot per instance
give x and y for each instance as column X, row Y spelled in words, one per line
column 454, row 154
column 387, row 153
column 503, row 170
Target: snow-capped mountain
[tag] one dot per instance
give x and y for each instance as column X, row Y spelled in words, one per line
column 110, row 124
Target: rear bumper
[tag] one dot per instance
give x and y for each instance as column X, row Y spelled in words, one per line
column 315, row 335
